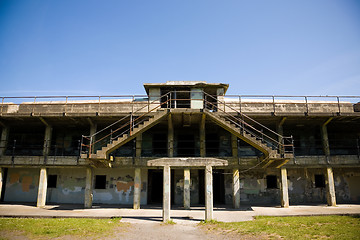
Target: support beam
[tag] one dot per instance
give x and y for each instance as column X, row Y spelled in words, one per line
column 137, row 188
column 41, row 199
column 325, row 139
column 330, row 187
column 1, row 180
column 236, row 188
column 187, row 188
column 47, row 140
column 284, row 188
column 202, row 136
column 234, row 146
column 166, row 194
column 4, row 140
column 208, row 193
column 170, row 136
column 89, row 188
column 138, row 146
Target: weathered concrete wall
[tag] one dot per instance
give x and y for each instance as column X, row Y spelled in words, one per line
column 22, row 185
column 119, row 187
column 347, row 187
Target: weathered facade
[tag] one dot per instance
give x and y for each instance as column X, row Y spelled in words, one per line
column 185, row 144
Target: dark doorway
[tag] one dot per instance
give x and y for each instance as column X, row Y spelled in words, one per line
column 186, row 145
column 5, row 173
column 201, row 186
column 160, row 143
column 155, row 179
column 218, row 186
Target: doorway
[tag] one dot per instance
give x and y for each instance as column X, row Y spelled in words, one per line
column 218, row 186
column 155, row 180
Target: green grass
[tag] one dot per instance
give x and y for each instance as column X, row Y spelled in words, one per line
column 314, row 227
column 58, row 227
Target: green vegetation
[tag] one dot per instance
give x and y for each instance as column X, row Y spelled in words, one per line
column 314, row 227
column 58, row 227
column 169, row 222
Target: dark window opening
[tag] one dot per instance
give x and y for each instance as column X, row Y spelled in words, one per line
column 212, row 144
column 271, row 181
column 155, row 181
column 186, row 145
column 52, row 181
column 319, row 181
column 160, row 144
column 218, row 186
column 100, row 182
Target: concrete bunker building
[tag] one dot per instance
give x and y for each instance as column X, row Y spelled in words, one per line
column 185, row 144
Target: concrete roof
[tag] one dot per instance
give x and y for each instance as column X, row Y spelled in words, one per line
column 200, row 84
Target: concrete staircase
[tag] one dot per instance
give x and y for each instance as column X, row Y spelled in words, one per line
column 272, row 154
column 103, row 153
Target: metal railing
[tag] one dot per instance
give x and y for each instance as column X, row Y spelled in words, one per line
column 28, row 104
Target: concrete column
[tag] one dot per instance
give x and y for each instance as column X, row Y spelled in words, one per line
column 1, row 180
column 187, row 188
column 170, row 137
column 137, row 188
column 234, row 146
column 4, row 140
column 138, row 145
column 166, row 194
column 89, row 187
column 47, row 140
column 280, row 131
column 284, row 188
column 93, row 129
column 202, row 136
column 236, row 188
column 41, row 199
column 208, row 193
column 325, row 140
column 330, row 187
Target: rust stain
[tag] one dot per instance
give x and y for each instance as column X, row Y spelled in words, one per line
column 26, row 182
column 123, row 186
column 14, row 178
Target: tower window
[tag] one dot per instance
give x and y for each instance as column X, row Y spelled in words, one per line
column 271, row 181
column 52, row 180
column 100, row 182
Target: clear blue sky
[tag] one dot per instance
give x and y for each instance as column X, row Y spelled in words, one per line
column 114, row 46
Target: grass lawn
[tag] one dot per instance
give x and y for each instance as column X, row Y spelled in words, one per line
column 314, row 227
column 59, row 227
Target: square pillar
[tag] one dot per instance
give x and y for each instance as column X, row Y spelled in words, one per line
column 47, row 141
column 187, row 188
column 166, row 194
column 170, row 137
column 330, row 187
column 284, row 188
column 202, row 136
column 208, row 193
column 41, row 199
column 1, row 180
column 4, row 139
column 137, row 188
column 236, row 188
column 88, row 188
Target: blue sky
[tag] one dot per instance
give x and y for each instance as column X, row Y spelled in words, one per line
column 88, row 47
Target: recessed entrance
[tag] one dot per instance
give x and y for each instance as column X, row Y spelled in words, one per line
column 218, row 186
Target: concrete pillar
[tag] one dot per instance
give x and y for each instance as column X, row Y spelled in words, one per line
column 202, row 136
column 234, row 146
column 93, row 129
column 280, row 131
column 138, row 145
column 187, row 188
column 330, row 187
column 4, row 140
column 284, row 188
column 1, row 180
column 166, row 194
column 208, row 193
column 137, row 188
column 325, row 140
column 47, row 140
column 41, row 199
column 89, row 187
column 236, row 188
column 170, row 137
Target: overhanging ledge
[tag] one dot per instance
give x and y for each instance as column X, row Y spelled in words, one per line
column 186, row 162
